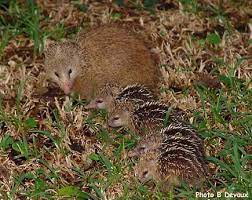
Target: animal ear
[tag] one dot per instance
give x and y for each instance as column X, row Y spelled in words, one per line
column 111, row 89
column 126, row 109
column 114, row 90
column 50, row 47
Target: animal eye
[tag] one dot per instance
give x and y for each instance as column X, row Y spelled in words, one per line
column 99, row 101
column 56, row 74
column 142, row 148
column 70, row 71
column 125, row 109
column 116, row 118
column 145, row 173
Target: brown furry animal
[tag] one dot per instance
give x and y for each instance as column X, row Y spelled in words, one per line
column 107, row 54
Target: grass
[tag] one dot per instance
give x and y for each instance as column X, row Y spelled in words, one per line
column 54, row 149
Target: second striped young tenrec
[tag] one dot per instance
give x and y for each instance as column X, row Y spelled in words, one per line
column 145, row 118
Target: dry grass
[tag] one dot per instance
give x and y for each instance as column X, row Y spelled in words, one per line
column 49, row 143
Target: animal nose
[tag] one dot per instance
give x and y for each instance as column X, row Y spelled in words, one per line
column 110, row 123
column 67, row 88
column 91, row 105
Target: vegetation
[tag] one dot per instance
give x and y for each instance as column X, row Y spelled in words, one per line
column 51, row 148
